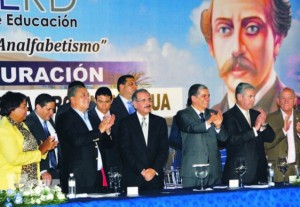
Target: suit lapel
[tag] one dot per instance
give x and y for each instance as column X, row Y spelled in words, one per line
column 193, row 114
column 40, row 129
column 120, row 105
column 240, row 116
column 151, row 131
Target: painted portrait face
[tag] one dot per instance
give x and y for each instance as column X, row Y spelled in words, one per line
column 243, row 42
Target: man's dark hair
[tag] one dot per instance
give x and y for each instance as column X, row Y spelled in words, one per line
column 122, row 80
column 193, row 91
column 105, row 91
column 72, row 87
column 43, row 99
column 76, row 83
column 72, row 91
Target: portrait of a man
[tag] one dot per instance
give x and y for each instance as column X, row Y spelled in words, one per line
column 244, row 38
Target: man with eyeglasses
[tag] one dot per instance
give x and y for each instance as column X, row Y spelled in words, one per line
column 122, row 107
column 143, row 141
column 201, row 129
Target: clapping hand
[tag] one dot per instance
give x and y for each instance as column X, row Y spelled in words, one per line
column 261, row 119
column 218, row 120
column 298, row 127
column 107, row 123
column 287, row 123
column 48, row 144
column 215, row 118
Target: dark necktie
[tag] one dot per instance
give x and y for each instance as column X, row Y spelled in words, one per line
column 52, row 157
column 202, row 119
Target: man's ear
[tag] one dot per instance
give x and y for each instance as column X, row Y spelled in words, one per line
column 277, row 44
column 238, row 97
column 134, row 103
column 277, row 101
column 38, row 107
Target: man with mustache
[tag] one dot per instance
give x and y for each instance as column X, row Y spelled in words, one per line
column 143, row 141
column 201, row 129
column 245, row 37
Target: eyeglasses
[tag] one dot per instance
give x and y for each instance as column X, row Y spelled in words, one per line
column 145, row 100
column 131, row 84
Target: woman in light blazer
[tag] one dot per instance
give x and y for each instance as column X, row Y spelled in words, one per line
column 19, row 152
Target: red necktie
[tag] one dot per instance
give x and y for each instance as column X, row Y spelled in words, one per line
column 104, row 182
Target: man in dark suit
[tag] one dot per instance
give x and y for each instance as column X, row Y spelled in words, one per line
column 286, row 125
column 80, row 143
column 201, row 128
column 41, row 125
column 143, row 145
column 247, row 131
column 103, row 98
column 122, row 107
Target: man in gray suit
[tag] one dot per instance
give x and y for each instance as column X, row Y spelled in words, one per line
column 286, row 125
column 200, row 128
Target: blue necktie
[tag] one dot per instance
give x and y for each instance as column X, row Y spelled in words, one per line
column 52, row 157
column 131, row 109
column 202, row 119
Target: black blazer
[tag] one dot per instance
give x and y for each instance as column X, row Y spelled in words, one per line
column 120, row 111
column 119, row 108
column 36, row 128
column 242, row 142
column 79, row 151
column 136, row 156
column 106, row 146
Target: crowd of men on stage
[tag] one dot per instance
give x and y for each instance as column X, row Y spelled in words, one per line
column 122, row 133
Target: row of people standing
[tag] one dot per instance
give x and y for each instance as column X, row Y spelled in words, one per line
column 94, row 138
column 87, row 139
column 246, row 134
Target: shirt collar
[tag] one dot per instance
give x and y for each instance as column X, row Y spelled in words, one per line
column 41, row 120
column 285, row 114
column 100, row 114
column 140, row 117
column 197, row 111
column 242, row 110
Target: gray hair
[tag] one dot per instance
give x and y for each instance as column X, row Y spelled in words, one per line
column 241, row 87
column 72, row 90
column 141, row 90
